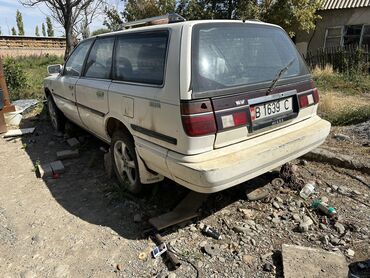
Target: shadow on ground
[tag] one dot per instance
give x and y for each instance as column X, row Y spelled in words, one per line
column 85, row 191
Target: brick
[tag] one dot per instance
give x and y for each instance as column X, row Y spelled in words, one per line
column 73, row 143
column 66, row 154
column 58, row 167
column 44, row 171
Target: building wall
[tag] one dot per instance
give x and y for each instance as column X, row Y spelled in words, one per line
column 331, row 18
column 25, row 46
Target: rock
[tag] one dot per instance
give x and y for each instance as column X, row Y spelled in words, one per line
column 61, row 271
column 275, row 205
column 303, row 162
column 323, row 226
column 337, row 241
column 221, row 259
column 249, row 260
column 296, row 217
column 201, row 226
column 171, row 275
column 253, row 242
column 350, row 252
column 275, row 220
column 137, row 218
column 203, row 243
column 325, row 239
column 193, row 229
column 339, row 227
column 305, row 224
column 258, row 194
column 312, row 262
column 324, row 200
column 342, row 137
column 268, row 267
column 248, row 213
column 28, row 274
column 334, row 187
column 241, row 229
column 200, row 264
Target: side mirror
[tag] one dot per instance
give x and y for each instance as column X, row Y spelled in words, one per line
column 54, row 69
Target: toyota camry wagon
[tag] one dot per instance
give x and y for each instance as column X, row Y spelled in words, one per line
column 209, row 104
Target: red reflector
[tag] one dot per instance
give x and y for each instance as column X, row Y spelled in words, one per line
column 316, row 96
column 253, row 113
column 303, row 101
column 199, row 125
column 240, row 118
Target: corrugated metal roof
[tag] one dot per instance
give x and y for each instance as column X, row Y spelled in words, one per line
column 345, row 4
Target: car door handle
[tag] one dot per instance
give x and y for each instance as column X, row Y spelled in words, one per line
column 100, row 94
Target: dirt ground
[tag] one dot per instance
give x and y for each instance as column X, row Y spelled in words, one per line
column 81, row 225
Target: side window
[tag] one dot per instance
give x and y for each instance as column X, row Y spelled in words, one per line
column 99, row 63
column 141, row 58
column 75, row 62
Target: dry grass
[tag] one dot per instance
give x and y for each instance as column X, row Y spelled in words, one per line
column 318, row 72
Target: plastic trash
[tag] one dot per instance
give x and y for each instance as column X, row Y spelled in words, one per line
column 307, row 190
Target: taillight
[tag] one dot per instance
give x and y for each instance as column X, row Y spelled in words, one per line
column 308, row 99
column 198, row 118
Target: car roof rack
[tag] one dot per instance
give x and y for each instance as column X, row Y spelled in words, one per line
column 156, row 20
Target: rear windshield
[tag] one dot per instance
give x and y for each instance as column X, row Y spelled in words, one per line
column 233, row 55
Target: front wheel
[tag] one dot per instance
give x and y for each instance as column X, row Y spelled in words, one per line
column 56, row 116
column 125, row 163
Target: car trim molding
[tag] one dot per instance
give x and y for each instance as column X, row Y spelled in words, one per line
column 154, row 134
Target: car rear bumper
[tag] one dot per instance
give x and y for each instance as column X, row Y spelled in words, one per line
column 223, row 168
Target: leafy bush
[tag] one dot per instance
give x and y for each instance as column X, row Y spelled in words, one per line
column 15, row 77
column 25, row 75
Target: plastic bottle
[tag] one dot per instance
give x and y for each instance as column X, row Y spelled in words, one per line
column 329, row 211
column 307, row 190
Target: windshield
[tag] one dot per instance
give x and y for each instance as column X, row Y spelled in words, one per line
column 232, row 55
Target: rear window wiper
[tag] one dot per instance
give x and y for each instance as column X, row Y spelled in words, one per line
column 278, row 76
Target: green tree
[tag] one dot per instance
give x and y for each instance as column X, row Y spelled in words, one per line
column 37, row 32
column 49, row 26
column 292, row 15
column 139, row 9
column 19, row 20
column 112, row 19
column 14, row 32
column 43, row 30
column 1, row 32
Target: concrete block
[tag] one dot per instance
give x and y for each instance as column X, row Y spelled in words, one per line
column 58, row 167
column 299, row 261
column 66, row 154
column 108, row 165
column 73, row 143
column 44, row 171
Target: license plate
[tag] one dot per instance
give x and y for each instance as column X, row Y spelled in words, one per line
column 270, row 109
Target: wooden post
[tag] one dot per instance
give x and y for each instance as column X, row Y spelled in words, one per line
column 8, row 107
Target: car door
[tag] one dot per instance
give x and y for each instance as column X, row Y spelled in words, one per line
column 92, row 88
column 64, row 88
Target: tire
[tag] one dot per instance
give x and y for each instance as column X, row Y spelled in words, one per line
column 56, row 116
column 124, row 161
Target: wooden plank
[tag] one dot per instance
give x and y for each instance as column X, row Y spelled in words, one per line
column 185, row 210
column 19, row 132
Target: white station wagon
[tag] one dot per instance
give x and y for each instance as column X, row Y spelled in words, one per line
column 209, row 104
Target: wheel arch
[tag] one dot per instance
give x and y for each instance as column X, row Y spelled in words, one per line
column 112, row 124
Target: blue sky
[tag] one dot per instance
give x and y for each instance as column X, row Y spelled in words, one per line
column 33, row 16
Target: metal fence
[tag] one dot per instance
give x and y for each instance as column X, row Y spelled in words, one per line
column 343, row 59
